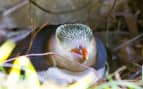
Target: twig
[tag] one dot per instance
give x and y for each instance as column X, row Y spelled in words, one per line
column 34, row 34
column 136, row 64
column 134, row 75
column 112, row 8
column 13, row 9
column 107, row 19
column 48, row 53
column 110, row 11
column 117, row 74
column 128, row 42
column 33, row 54
column 119, row 70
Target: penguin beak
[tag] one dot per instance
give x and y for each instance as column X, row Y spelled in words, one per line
column 82, row 51
column 84, row 54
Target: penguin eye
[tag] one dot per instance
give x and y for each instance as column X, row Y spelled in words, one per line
column 80, row 46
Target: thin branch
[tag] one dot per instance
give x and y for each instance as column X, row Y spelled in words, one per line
column 112, row 8
column 33, row 54
column 13, row 9
column 49, row 53
column 110, row 11
column 119, row 70
column 127, row 42
column 107, row 18
column 34, row 34
column 136, row 74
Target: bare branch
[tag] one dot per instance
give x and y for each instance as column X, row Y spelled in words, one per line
column 128, row 42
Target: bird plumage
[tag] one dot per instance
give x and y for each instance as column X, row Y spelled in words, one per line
column 67, row 38
column 74, row 35
column 46, row 41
